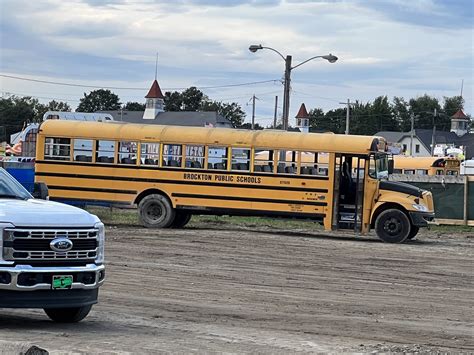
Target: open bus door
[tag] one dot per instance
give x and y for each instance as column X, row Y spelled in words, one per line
column 349, row 186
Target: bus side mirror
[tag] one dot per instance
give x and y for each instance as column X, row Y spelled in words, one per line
column 390, row 166
column 40, row 190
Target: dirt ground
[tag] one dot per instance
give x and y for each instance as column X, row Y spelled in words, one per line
column 218, row 288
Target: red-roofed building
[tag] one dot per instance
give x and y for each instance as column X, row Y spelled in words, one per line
column 154, row 102
column 459, row 123
column 302, row 119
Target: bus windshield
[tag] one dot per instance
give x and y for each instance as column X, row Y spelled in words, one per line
column 378, row 168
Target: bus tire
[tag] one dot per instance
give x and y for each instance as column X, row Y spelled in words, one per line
column 68, row 315
column 156, row 211
column 413, row 232
column 392, row 226
column 181, row 219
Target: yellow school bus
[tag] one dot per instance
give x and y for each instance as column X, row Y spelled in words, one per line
column 173, row 172
column 426, row 165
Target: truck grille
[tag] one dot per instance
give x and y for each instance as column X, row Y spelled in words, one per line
column 25, row 244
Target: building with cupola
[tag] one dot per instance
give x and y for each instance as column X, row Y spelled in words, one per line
column 155, row 113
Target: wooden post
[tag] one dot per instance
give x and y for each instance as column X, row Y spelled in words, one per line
column 466, row 194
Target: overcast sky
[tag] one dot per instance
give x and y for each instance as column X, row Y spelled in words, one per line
column 385, row 47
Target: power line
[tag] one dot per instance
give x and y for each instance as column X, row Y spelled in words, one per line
column 135, row 88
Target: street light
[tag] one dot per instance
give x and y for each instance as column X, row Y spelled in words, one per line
column 287, row 78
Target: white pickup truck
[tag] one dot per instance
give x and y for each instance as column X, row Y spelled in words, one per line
column 51, row 254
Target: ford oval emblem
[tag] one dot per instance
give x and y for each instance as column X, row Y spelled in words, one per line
column 61, row 244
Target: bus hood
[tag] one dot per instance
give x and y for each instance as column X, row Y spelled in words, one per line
column 41, row 213
column 401, row 187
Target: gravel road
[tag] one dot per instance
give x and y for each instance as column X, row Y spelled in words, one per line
column 241, row 290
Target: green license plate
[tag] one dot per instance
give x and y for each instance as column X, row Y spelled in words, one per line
column 61, row 282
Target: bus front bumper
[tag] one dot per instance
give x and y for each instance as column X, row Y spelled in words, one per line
column 421, row 219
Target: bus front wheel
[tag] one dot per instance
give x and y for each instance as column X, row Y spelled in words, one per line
column 392, row 226
column 156, row 211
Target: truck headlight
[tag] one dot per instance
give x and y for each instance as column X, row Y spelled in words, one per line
column 421, row 208
column 101, row 247
column 3, row 235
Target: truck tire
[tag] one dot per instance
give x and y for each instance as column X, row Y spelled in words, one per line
column 392, row 226
column 413, row 232
column 156, row 211
column 180, row 219
column 68, row 315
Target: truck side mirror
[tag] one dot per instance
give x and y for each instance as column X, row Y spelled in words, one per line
column 390, row 166
column 40, row 190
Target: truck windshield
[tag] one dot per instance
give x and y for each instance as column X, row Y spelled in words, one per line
column 10, row 188
column 378, row 168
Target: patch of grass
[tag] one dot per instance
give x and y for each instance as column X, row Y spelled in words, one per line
column 129, row 217
column 116, row 216
column 451, row 229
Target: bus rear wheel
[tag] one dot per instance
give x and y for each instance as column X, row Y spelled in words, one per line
column 180, row 219
column 413, row 232
column 392, row 226
column 156, row 211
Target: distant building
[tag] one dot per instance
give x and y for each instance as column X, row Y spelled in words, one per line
column 155, row 114
column 423, row 139
column 302, row 119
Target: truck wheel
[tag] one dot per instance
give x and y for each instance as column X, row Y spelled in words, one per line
column 68, row 315
column 413, row 232
column 392, row 226
column 155, row 211
column 180, row 220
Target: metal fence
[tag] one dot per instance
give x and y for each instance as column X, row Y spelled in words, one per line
column 453, row 196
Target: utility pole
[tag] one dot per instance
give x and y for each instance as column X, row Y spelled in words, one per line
column 348, row 110
column 275, row 114
column 253, row 112
column 412, row 116
column 286, row 93
column 433, row 140
column 253, row 98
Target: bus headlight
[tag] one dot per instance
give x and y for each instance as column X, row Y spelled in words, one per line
column 421, row 208
column 101, row 247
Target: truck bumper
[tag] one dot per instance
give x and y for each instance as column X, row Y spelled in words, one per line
column 421, row 219
column 48, row 298
column 26, row 286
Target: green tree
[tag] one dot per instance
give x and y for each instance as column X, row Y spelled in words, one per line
column 51, row 106
column 173, row 101
column 317, row 122
column 423, row 108
column 15, row 112
column 134, row 106
column 232, row 111
column 99, row 100
column 401, row 113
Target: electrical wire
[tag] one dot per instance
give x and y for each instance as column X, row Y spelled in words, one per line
column 134, row 88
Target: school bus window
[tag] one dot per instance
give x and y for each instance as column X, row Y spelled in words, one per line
column 217, row 158
column 439, row 172
column 397, row 171
column 452, row 172
column 105, row 151
column 421, row 172
column 150, row 153
column 240, row 159
column 172, row 155
column 57, row 148
column 195, row 156
column 263, row 161
column 83, row 150
column 287, row 162
column 127, row 153
column 409, row 172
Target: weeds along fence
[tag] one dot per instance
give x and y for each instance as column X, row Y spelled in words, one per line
column 453, row 196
